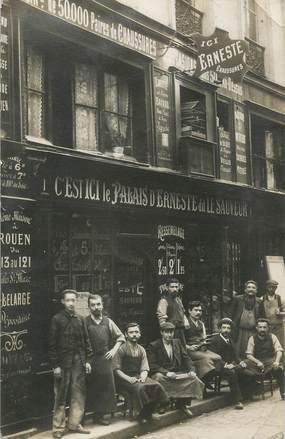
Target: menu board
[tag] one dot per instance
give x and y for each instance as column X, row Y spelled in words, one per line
column 16, row 303
column 241, row 146
column 5, row 68
column 225, row 154
column 170, row 250
column 162, row 118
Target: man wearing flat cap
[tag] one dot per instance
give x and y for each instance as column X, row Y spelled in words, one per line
column 171, row 366
column 272, row 307
column 232, row 366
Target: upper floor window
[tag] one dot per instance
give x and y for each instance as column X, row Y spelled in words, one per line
column 268, row 146
column 82, row 103
column 252, row 20
column 188, row 18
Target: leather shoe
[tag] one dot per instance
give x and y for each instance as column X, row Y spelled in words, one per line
column 102, row 421
column 239, row 406
column 79, row 429
column 186, row 411
column 57, row 434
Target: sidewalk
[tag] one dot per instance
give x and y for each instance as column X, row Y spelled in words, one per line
column 123, row 428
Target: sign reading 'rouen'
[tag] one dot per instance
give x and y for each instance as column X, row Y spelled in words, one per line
column 220, row 54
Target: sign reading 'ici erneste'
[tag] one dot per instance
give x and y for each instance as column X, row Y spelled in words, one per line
column 220, row 54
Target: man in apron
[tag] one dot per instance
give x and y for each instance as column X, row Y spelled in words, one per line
column 105, row 338
column 171, row 366
column 131, row 368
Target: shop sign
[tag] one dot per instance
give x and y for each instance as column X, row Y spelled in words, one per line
column 82, row 15
column 170, row 249
column 5, row 72
column 220, row 54
column 119, row 194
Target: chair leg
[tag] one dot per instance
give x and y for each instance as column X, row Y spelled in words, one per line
column 262, row 387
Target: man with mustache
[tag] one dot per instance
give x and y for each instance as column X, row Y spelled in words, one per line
column 105, row 338
column 264, row 355
column 245, row 314
column 131, row 369
column 232, row 367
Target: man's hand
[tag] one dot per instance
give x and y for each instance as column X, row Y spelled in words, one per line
column 110, row 354
column 229, row 366
column 57, row 372
column 192, row 374
column 260, row 365
column 133, row 380
column 193, row 347
column 275, row 365
column 88, row 368
column 243, row 364
column 171, row 375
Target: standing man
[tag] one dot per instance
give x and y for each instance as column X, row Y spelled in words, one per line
column 264, row 354
column 105, row 338
column 171, row 366
column 245, row 315
column 170, row 309
column 70, row 354
column 272, row 307
column 205, row 361
column 131, row 368
column 232, row 367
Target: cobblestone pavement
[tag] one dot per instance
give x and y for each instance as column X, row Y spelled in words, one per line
column 259, row 420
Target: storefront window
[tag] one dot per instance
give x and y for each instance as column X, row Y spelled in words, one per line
column 268, row 153
column 193, row 113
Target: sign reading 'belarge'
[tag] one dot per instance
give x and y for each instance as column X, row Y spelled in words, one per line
column 118, row 194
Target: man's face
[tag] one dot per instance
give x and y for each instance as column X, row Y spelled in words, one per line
column 133, row 334
column 250, row 289
column 68, row 302
column 96, row 307
column 196, row 312
column 173, row 288
column 270, row 289
column 167, row 335
column 262, row 328
column 226, row 329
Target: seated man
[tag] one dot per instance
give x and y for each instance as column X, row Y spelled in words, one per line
column 231, row 366
column 264, row 355
column 131, row 369
column 205, row 361
column 171, row 366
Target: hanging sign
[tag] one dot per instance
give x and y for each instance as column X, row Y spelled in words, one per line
column 220, row 54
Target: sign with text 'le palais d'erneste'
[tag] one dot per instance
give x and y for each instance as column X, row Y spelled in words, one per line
column 220, row 54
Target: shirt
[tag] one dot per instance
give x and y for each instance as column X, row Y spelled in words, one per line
column 270, row 306
column 276, row 345
column 169, row 350
column 115, row 331
column 132, row 350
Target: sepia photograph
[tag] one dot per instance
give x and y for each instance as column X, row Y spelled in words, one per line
column 142, row 229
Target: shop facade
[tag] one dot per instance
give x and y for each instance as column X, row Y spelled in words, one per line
column 116, row 176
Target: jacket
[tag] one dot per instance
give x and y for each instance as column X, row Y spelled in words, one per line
column 159, row 361
column 68, row 336
column 226, row 350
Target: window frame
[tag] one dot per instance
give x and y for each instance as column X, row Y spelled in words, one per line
column 208, row 92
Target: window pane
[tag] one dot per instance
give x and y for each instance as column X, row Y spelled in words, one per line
column 124, row 101
column 85, row 85
column 35, row 115
column 86, row 128
column 111, row 92
column 35, row 70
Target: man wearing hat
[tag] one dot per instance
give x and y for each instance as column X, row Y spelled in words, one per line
column 272, row 307
column 171, row 366
column 232, row 367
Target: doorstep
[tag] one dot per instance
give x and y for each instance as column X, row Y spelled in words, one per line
column 123, row 428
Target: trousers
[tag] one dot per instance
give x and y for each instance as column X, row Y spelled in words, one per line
column 72, row 379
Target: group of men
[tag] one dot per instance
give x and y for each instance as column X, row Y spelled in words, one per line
column 94, row 354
